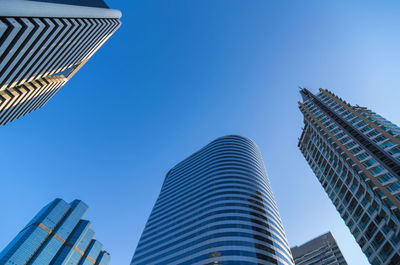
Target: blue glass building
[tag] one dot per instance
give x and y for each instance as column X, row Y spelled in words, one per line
column 43, row 44
column 56, row 235
column 355, row 154
column 216, row 207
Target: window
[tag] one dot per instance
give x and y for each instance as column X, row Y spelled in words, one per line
column 370, row 231
column 358, row 213
column 385, row 177
column 376, row 262
column 350, row 145
column 345, row 216
column 394, row 151
column 387, row 144
column 394, row 187
column 362, row 242
column 395, row 259
column 395, row 239
column 356, row 150
column 356, row 232
column 379, row 139
column 377, row 170
column 369, row 162
column 377, row 241
column 366, row 129
column 345, row 139
column 371, row 134
column 362, row 156
column 368, row 252
column 350, row 224
column 364, row 221
column 386, row 251
column 366, row 200
column 373, row 208
column 361, row 124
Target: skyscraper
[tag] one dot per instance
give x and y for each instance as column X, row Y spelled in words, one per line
column 216, row 207
column 321, row 250
column 56, row 235
column 43, row 43
column 355, row 154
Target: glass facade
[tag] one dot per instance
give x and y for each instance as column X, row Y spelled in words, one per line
column 56, row 235
column 43, row 43
column 216, row 207
column 355, row 154
column 322, row 250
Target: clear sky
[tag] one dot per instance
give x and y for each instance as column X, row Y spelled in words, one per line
column 179, row 74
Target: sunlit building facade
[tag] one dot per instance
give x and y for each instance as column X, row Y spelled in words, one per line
column 216, row 207
column 355, row 154
column 56, row 235
column 43, row 43
column 322, row 250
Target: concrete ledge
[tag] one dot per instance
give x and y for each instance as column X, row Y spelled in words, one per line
column 23, row 8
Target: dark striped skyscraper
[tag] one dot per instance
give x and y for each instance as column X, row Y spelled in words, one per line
column 43, row 43
column 216, row 207
column 322, row 250
column 56, row 235
column 355, row 154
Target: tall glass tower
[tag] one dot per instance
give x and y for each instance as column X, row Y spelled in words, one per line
column 355, row 154
column 43, row 43
column 56, row 235
column 216, row 207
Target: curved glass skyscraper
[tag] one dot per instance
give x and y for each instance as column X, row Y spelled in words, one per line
column 216, row 207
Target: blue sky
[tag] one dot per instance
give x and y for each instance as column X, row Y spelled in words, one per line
column 179, row 74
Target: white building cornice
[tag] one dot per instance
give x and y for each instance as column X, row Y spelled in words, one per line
column 23, row 8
